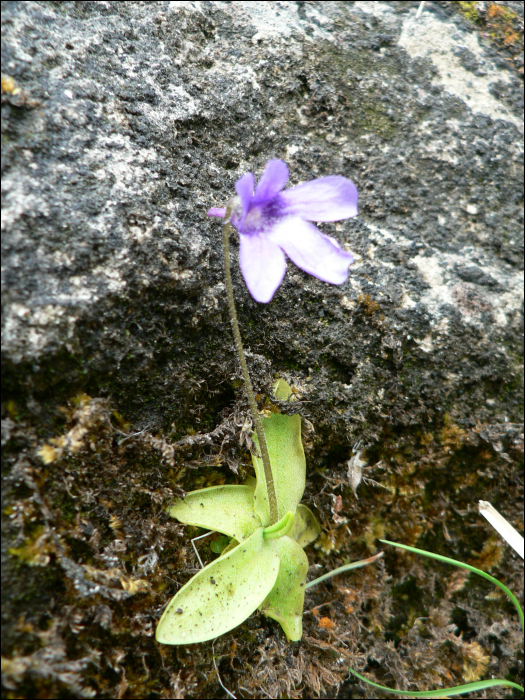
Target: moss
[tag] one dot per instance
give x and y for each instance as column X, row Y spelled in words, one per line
column 499, row 22
column 370, row 306
column 469, row 10
column 35, row 549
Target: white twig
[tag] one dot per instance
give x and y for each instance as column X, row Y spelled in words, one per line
column 420, row 9
column 127, row 435
column 195, row 548
column 230, row 695
column 503, row 526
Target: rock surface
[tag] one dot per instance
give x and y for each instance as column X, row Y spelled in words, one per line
column 122, row 123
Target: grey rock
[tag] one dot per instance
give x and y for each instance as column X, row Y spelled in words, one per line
column 127, row 122
column 476, row 276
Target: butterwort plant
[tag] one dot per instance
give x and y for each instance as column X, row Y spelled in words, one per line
column 264, row 565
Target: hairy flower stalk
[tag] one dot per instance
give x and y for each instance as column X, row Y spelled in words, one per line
column 272, row 498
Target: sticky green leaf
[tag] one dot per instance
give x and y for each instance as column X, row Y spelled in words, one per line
column 283, row 391
column 219, row 545
column 286, row 600
column 283, row 436
column 281, row 528
column 222, row 595
column 263, row 565
column 226, row 509
column 306, row 528
column 228, row 548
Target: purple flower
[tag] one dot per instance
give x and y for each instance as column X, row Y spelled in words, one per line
column 272, row 221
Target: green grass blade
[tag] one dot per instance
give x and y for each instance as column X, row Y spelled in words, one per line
column 459, row 689
column 443, row 692
column 446, row 560
column 346, row 567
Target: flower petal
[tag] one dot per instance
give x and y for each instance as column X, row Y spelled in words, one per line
column 327, row 199
column 312, row 251
column 272, row 181
column 217, row 211
column 244, row 188
column 263, row 265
